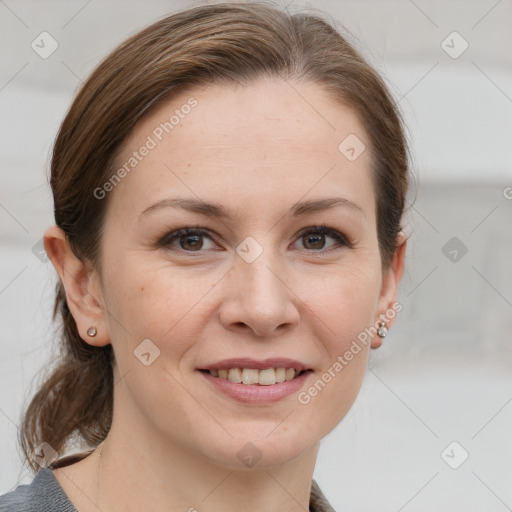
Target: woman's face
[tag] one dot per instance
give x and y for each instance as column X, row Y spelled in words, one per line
column 256, row 285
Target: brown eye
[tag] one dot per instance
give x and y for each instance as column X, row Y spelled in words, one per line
column 188, row 239
column 314, row 241
column 314, row 238
column 191, row 242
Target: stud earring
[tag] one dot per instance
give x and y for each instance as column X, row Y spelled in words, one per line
column 382, row 329
column 92, row 331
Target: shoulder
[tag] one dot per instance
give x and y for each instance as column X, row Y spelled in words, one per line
column 43, row 494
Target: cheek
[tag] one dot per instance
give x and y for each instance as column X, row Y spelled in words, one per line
column 162, row 302
column 158, row 302
column 344, row 306
column 163, row 305
column 344, row 302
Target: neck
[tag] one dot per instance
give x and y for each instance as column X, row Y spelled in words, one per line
column 133, row 467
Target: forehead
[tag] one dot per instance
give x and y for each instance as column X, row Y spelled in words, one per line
column 266, row 140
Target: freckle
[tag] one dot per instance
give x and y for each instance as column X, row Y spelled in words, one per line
column 142, row 289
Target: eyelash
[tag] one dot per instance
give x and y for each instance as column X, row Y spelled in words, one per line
column 313, row 230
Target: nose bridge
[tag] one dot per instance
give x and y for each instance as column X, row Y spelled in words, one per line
column 259, row 296
column 263, row 285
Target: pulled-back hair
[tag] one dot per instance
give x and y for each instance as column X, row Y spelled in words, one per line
column 232, row 43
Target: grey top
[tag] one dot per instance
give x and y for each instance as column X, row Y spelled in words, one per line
column 45, row 494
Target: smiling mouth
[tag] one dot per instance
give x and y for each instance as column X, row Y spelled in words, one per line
column 253, row 376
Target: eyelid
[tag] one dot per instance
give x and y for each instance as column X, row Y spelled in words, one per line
column 175, row 234
column 324, row 229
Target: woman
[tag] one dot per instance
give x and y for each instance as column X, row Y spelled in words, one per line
column 229, row 185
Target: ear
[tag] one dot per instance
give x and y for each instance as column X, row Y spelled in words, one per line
column 389, row 289
column 83, row 291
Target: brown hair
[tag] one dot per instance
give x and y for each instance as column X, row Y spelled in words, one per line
column 220, row 43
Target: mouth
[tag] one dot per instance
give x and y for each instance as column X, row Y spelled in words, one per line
column 256, row 381
column 253, row 376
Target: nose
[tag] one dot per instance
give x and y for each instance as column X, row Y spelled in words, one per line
column 258, row 298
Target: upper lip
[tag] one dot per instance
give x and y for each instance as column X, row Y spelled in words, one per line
column 257, row 364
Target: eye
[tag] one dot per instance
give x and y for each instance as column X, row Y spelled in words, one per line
column 314, row 238
column 191, row 239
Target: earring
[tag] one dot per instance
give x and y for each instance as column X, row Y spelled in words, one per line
column 382, row 330
column 92, row 331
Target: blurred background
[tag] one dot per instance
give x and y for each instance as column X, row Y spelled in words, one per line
column 431, row 427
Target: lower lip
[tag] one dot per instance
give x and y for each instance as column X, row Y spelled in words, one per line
column 256, row 393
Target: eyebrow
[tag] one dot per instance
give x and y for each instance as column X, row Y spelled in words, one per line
column 221, row 212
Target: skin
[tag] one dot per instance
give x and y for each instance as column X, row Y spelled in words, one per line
column 257, row 150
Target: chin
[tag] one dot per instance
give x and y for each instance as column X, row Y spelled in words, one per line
column 250, row 449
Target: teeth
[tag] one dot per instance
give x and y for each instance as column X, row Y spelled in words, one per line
column 280, row 374
column 290, row 373
column 235, row 375
column 250, row 376
column 268, row 377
